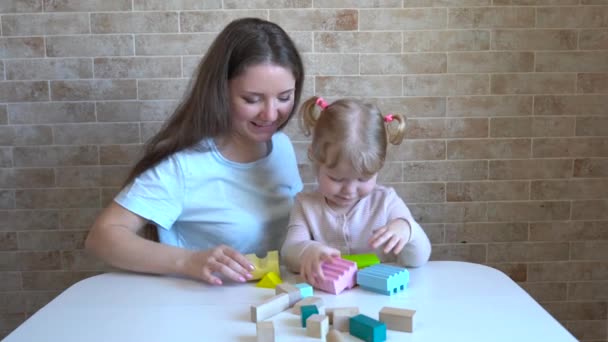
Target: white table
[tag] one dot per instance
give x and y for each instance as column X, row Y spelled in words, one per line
column 455, row 301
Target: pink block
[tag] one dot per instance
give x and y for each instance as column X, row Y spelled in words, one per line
column 339, row 275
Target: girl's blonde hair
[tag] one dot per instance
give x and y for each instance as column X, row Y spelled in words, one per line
column 350, row 130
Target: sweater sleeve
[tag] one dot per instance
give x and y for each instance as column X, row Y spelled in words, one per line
column 417, row 251
column 299, row 237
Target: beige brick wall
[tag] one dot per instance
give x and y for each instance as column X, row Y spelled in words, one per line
column 506, row 161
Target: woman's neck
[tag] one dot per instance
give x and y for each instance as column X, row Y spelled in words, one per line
column 239, row 151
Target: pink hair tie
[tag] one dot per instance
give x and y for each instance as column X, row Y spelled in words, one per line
column 389, row 118
column 321, row 103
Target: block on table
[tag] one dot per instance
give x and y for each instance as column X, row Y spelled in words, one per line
column 384, row 279
column 363, row 260
column 339, row 275
column 330, row 311
column 307, row 311
column 269, row 263
column 269, row 307
column 317, row 326
column 317, row 301
column 305, row 289
column 335, row 336
column 341, row 317
column 397, row 318
column 269, row 281
column 265, row 331
column 367, row 328
column 294, row 293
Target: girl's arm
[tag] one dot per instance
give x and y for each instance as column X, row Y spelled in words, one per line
column 298, row 239
column 417, row 250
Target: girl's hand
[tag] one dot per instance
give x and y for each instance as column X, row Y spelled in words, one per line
column 312, row 258
column 221, row 260
column 393, row 236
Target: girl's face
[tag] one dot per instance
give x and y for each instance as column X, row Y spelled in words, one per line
column 342, row 187
column 261, row 99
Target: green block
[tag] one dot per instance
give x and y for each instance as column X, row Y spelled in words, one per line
column 367, row 328
column 307, row 311
column 362, row 260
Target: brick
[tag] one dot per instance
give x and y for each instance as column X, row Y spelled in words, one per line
column 490, row 62
column 24, row 91
column 357, row 42
column 163, row 5
column 26, row 47
column 530, row 169
column 534, row 39
column 51, row 112
column 488, row 149
column 486, row 191
column 78, row 90
column 86, row 5
column 402, row 19
column 491, row 17
column 138, row 67
column 49, row 69
column 445, row 170
column 532, row 83
column 316, row 20
column 444, row 40
column 45, row 156
column 468, row 253
column 446, row 85
column 424, row 63
column 137, row 22
column 486, row 232
column 89, row 46
column 358, row 85
column 213, row 21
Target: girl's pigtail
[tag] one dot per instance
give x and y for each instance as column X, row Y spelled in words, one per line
column 395, row 128
column 309, row 115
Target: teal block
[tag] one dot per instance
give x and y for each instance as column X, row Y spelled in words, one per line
column 367, row 328
column 305, row 289
column 307, row 311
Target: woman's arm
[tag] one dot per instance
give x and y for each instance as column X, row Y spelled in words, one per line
column 114, row 239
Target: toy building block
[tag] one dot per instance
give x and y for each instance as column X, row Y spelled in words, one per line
column 269, row 307
column 330, row 311
column 305, row 289
column 270, row 263
column 335, row 336
column 397, row 319
column 339, row 275
column 294, row 293
column 367, row 328
column 341, row 317
column 317, row 326
column 307, row 311
column 316, row 301
column 265, row 331
column 363, row 260
column 269, row 281
column 384, row 279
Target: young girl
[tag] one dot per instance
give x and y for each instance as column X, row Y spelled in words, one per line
column 349, row 213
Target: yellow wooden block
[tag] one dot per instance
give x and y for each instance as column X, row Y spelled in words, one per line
column 270, row 263
column 269, row 281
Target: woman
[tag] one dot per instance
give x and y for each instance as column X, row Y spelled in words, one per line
column 218, row 180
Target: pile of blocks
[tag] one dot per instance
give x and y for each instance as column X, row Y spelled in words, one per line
column 317, row 324
column 364, row 270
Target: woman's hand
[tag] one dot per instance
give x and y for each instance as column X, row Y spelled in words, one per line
column 220, row 260
column 394, row 236
column 312, row 258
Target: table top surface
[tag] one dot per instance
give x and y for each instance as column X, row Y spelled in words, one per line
column 454, row 301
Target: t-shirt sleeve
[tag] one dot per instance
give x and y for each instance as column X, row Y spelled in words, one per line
column 157, row 194
column 417, row 251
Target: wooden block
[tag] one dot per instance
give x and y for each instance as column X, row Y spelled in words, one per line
column 363, row 260
column 341, row 317
column 397, row 318
column 295, row 295
column 330, row 312
column 305, row 289
column 317, row 326
column 269, row 307
column 384, row 279
column 265, row 331
column 335, row 336
column 307, row 311
column 339, row 275
column 269, row 263
column 317, row 301
column 367, row 328
column 269, row 281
